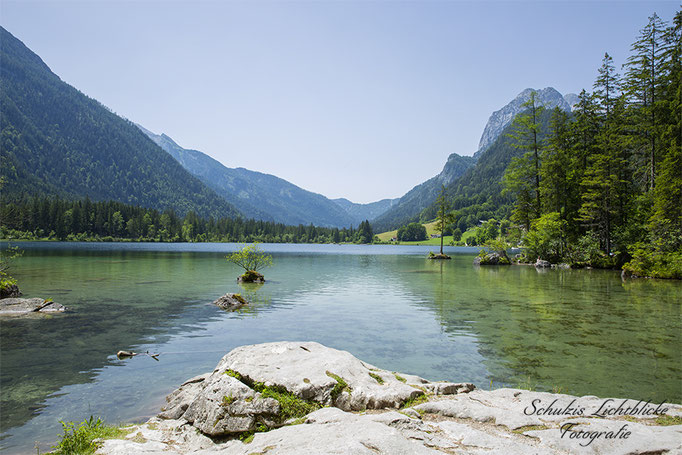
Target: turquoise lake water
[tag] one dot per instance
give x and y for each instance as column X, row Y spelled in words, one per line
column 582, row 331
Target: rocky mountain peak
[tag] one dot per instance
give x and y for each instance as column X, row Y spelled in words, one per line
column 548, row 97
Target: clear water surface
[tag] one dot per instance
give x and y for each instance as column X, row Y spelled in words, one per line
column 583, row 331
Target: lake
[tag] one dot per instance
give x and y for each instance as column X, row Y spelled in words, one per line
column 578, row 331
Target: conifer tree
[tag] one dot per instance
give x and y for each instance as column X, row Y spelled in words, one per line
column 607, row 86
column 644, row 80
column 522, row 176
column 600, row 181
column 364, row 233
column 556, row 187
column 665, row 224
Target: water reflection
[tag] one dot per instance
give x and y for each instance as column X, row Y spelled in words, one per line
column 585, row 331
column 582, row 331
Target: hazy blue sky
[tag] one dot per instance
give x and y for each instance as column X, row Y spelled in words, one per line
column 361, row 100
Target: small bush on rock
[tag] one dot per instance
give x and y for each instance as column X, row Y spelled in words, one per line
column 79, row 440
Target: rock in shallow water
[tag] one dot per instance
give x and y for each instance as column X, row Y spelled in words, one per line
column 492, row 259
column 251, row 276
column 541, row 263
column 18, row 307
column 230, row 301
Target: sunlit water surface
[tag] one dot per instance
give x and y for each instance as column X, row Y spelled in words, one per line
column 583, row 331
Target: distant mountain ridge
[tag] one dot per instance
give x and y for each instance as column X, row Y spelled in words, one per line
column 264, row 196
column 414, row 201
column 362, row 212
column 58, row 142
column 548, row 97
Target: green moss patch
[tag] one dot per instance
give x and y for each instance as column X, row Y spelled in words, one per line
column 340, row 386
column 666, row 420
column 139, row 438
column 239, row 298
column 247, row 436
column 377, row 378
column 399, row 378
column 525, row 428
column 290, row 406
column 414, row 401
column 235, row 375
column 228, row 400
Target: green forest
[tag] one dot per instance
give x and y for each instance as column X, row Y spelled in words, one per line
column 42, row 218
column 602, row 186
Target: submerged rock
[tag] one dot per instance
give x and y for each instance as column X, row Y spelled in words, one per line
column 257, row 388
column 17, row 307
column 230, row 301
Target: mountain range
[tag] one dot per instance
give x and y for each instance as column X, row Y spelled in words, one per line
column 56, row 141
column 267, row 197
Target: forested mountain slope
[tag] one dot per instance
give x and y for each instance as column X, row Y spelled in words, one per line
column 58, row 142
column 477, row 193
column 414, row 201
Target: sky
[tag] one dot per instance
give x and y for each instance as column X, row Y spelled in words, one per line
column 354, row 99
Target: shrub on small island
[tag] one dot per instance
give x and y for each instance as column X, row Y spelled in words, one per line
column 251, row 258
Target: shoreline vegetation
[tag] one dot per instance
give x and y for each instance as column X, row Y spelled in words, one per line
column 490, row 236
column 599, row 186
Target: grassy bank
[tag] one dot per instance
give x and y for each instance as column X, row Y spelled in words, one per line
column 430, row 229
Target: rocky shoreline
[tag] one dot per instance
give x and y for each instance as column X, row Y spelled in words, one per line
column 305, row 398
